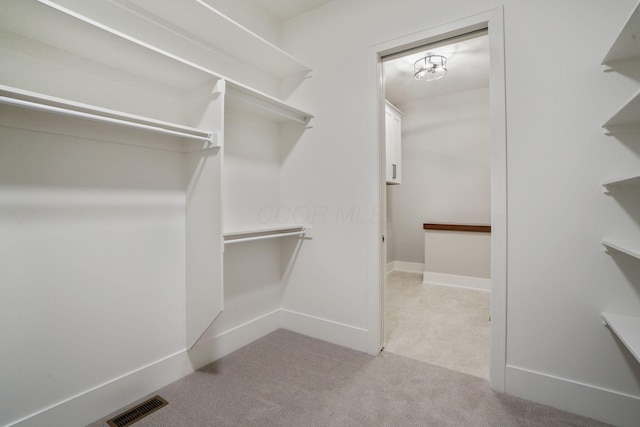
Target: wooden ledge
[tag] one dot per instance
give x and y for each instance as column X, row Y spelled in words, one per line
column 459, row 227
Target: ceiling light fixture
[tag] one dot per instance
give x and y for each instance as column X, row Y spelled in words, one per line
column 431, row 67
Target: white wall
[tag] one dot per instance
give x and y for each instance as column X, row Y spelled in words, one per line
column 459, row 253
column 446, row 171
column 559, row 279
column 92, row 261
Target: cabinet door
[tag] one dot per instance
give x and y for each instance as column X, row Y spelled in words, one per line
column 393, row 132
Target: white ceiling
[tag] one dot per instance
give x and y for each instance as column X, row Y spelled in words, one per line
column 467, row 64
column 287, row 9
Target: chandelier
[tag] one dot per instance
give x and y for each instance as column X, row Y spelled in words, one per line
column 431, row 67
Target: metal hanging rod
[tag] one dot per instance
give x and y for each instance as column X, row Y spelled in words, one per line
column 267, row 236
column 70, row 109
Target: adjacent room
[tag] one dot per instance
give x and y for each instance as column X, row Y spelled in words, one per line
column 437, row 294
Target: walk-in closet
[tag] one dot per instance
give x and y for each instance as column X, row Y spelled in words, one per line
column 325, row 206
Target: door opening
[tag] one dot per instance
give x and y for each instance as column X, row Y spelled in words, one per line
column 492, row 23
column 438, row 174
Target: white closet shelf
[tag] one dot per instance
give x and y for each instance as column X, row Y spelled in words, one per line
column 627, row 45
column 627, row 119
column 204, row 21
column 87, row 38
column 266, row 232
column 628, row 181
column 626, row 247
column 244, row 98
column 103, row 44
column 627, row 329
column 35, row 101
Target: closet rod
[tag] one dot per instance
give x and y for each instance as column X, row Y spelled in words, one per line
column 267, row 236
column 204, row 136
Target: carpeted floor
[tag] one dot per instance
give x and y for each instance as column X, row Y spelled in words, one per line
column 287, row 379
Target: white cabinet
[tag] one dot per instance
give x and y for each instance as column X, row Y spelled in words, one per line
column 393, row 138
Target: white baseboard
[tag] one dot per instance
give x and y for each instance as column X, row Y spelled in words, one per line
column 326, row 330
column 103, row 399
column 601, row 404
column 390, row 266
column 227, row 342
column 466, row 282
column 405, row 266
column 92, row 404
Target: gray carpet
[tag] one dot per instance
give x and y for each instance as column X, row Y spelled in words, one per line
column 287, row 379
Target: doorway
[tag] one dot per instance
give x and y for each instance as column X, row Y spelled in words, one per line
column 438, row 174
column 492, row 21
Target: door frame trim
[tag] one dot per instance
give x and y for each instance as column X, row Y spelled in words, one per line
column 493, row 20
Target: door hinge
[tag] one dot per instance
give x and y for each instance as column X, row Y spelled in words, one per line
column 383, row 238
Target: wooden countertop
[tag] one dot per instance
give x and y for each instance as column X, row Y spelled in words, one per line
column 476, row 228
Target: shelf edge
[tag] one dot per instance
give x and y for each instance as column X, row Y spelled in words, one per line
column 621, row 246
column 629, row 181
column 614, row 322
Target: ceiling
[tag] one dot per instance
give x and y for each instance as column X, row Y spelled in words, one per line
column 467, row 66
column 287, row 9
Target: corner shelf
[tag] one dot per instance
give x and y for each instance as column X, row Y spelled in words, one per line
column 627, row 119
column 626, row 247
column 261, row 233
column 244, row 98
column 35, row 101
column 627, row 46
column 204, row 21
column 625, row 54
column 627, row 329
column 629, row 181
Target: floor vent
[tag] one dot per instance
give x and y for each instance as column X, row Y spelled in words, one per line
column 138, row 412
